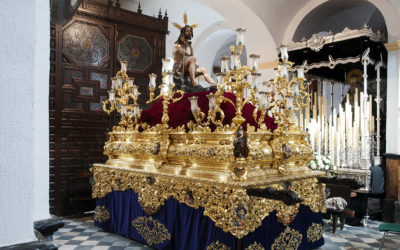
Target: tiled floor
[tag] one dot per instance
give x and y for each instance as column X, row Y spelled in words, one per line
column 80, row 234
column 358, row 238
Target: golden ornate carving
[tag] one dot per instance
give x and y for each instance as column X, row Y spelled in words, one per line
column 314, row 232
column 213, row 169
column 101, row 214
column 288, row 239
column 151, row 230
column 227, row 204
column 255, row 246
column 218, row 246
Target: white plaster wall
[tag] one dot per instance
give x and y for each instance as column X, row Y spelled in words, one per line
column 40, row 124
column 21, row 24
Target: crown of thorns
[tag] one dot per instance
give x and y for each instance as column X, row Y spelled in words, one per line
column 185, row 22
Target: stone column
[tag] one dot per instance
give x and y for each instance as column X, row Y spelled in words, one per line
column 393, row 100
column 24, row 129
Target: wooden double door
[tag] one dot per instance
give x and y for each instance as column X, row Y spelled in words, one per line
column 84, row 55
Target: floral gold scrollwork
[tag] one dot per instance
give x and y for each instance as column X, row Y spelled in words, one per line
column 314, row 232
column 101, row 214
column 255, row 246
column 151, row 230
column 218, row 246
column 228, row 206
column 288, row 239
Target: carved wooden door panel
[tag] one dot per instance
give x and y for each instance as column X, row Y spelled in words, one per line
column 84, row 55
column 84, row 71
column 142, row 49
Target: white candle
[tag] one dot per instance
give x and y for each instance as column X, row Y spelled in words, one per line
column 130, row 81
column 135, row 91
column 152, row 82
column 165, row 65
column 113, row 82
column 124, row 65
column 111, row 95
column 232, row 56
column 119, row 82
column 240, row 36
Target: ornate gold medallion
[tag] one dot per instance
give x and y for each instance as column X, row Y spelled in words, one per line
column 101, row 214
column 289, row 239
column 151, row 230
column 314, row 232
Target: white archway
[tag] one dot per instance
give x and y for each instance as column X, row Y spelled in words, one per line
column 387, row 8
column 258, row 38
column 392, row 17
column 206, row 51
column 294, row 23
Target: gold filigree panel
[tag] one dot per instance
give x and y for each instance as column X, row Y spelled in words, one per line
column 151, row 230
column 228, row 206
column 101, row 214
column 288, row 239
column 255, row 246
column 218, row 246
column 314, row 232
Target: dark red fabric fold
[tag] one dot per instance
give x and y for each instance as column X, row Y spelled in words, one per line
column 180, row 114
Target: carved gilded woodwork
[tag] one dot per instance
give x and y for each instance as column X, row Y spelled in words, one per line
column 101, row 214
column 314, row 232
column 155, row 234
column 288, row 239
column 227, row 204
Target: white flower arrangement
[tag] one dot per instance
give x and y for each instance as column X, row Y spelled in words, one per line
column 321, row 162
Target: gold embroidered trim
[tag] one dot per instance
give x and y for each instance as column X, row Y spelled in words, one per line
column 101, row 214
column 151, row 230
column 218, row 246
column 314, row 232
column 289, row 239
column 255, row 246
column 228, row 206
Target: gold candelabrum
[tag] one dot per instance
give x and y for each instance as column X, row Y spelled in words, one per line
column 178, row 162
column 167, row 91
column 123, row 98
column 286, row 96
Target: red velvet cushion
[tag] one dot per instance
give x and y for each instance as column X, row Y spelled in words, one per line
column 180, row 114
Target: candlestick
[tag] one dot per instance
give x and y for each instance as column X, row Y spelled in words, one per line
column 378, row 101
column 370, row 106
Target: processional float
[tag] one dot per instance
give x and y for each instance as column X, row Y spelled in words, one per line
column 211, row 162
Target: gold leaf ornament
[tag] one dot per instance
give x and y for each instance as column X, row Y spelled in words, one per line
column 288, row 239
column 101, row 214
column 151, row 230
column 255, row 246
column 314, row 232
column 218, row 246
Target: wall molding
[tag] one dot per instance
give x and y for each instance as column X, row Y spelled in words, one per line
column 393, row 46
